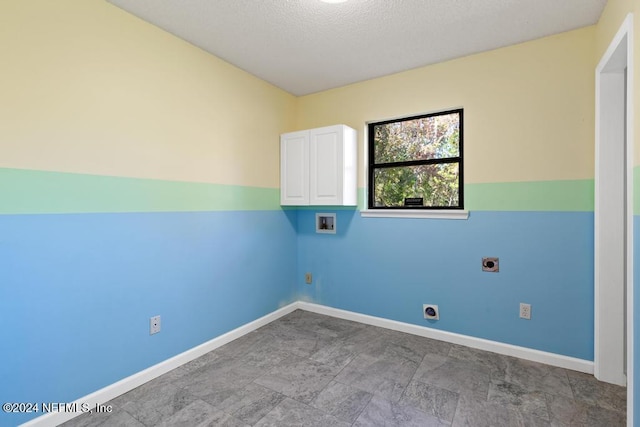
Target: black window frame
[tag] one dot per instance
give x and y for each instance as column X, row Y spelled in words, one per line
column 372, row 166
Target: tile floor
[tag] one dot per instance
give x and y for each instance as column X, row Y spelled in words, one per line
column 306, row 369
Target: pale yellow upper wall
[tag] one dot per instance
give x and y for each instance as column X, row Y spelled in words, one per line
column 610, row 21
column 88, row 88
column 529, row 108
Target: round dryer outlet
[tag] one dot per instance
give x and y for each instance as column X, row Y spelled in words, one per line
column 430, row 311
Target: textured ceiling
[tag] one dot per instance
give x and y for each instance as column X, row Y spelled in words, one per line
column 306, row 46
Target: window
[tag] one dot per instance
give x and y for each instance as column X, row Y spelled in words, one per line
column 416, row 162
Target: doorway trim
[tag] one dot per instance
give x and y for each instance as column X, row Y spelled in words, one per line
column 611, row 125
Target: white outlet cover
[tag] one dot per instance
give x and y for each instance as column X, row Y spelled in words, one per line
column 154, row 325
column 525, row 311
column 436, row 316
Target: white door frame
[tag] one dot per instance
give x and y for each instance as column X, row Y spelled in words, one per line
column 611, row 267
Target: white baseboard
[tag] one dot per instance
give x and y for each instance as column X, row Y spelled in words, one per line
column 114, row 390
column 547, row 358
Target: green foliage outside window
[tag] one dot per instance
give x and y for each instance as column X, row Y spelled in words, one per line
column 419, row 157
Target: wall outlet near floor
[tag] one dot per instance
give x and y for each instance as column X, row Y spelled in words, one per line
column 525, row 311
column 491, row 264
column 308, row 278
column 430, row 311
column 154, row 325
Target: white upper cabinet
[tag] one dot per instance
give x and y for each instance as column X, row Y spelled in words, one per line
column 318, row 167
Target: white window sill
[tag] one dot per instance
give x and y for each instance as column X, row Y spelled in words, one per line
column 414, row 213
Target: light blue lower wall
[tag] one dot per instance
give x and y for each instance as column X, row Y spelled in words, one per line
column 77, row 291
column 389, row 267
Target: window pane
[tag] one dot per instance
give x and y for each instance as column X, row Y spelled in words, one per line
column 436, row 184
column 434, row 137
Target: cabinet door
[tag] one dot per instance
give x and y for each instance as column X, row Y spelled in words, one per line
column 294, row 168
column 325, row 165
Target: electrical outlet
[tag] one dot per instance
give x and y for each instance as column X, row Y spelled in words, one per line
column 491, row 264
column 430, row 311
column 154, row 325
column 308, row 278
column 525, row 311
